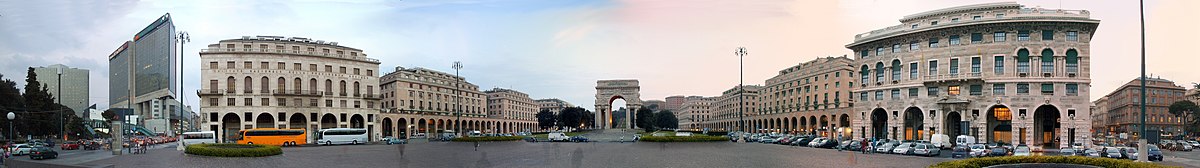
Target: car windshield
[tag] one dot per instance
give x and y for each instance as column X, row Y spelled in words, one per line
column 1154, row 149
column 977, row 146
column 906, row 144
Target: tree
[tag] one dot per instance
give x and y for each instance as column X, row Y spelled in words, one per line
column 645, row 119
column 545, row 118
column 109, row 114
column 570, row 117
column 10, row 101
column 589, row 118
column 1187, row 110
column 666, row 120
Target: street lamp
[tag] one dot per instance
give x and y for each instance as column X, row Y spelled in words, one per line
column 183, row 38
column 59, row 97
column 11, row 116
column 741, row 53
column 457, row 95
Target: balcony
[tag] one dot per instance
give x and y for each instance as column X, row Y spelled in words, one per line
column 294, row 52
column 296, row 93
column 372, row 96
column 975, row 76
column 210, row 92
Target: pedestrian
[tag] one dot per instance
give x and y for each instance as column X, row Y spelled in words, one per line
column 863, row 145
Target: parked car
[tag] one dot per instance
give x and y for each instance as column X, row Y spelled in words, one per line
column 579, row 139
column 40, row 153
column 1131, row 153
column 887, row 147
column 828, row 144
column 557, row 136
column 964, row 140
column 1154, row 153
column 1091, row 153
column 1022, row 150
column 998, row 151
column 21, row 149
column 391, row 141
column 961, row 152
column 852, row 145
column 903, row 148
column 1113, row 152
column 942, row 141
column 814, row 142
column 978, row 150
column 925, row 149
column 1068, row 152
column 803, row 141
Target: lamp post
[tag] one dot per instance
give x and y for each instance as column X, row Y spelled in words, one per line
column 11, row 116
column 1141, row 140
column 741, row 53
column 183, row 38
column 59, row 97
column 457, row 95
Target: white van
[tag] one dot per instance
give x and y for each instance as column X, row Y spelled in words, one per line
column 941, row 141
column 964, row 140
column 557, row 136
column 201, row 137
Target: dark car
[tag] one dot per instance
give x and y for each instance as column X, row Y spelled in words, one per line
column 39, row 153
column 998, row 151
column 1155, row 153
column 855, row 145
column 530, row 139
column 828, row 144
column 961, row 152
column 803, row 141
column 579, row 139
column 70, row 146
column 1068, row 152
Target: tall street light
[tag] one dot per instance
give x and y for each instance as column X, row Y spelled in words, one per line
column 59, row 97
column 1142, row 136
column 457, row 95
column 183, row 38
column 741, row 53
column 11, row 116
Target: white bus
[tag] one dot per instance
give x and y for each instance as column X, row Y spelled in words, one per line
column 201, row 137
column 342, row 136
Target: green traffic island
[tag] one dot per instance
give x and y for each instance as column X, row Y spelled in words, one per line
column 668, row 136
column 487, row 139
column 233, row 150
column 1043, row 161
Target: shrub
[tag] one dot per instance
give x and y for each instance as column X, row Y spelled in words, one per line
column 481, row 139
column 990, row 161
column 697, row 138
column 233, row 150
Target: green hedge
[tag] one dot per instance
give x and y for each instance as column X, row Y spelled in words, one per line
column 233, row 150
column 697, row 138
column 1093, row 161
column 479, row 139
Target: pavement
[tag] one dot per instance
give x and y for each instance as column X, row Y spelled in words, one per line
column 611, row 135
column 82, row 157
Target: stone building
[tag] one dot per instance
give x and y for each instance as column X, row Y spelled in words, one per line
column 287, row 82
column 1024, row 71
column 1124, row 108
column 553, row 105
column 421, row 100
column 514, row 106
column 726, row 109
column 694, row 111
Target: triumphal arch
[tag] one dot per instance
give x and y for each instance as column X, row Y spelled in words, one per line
column 608, row 91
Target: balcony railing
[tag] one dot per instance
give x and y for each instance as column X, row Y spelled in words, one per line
column 297, row 52
column 296, row 92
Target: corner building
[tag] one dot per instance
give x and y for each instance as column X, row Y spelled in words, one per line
column 294, row 83
column 1024, row 71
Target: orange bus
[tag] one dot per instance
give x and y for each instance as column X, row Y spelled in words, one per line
column 272, row 136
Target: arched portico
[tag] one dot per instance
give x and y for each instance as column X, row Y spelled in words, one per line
column 608, row 91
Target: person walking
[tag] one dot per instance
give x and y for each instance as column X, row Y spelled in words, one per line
column 863, row 145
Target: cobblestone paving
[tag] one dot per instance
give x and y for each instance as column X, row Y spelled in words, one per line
column 523, row 154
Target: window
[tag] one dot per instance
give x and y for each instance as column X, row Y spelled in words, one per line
column 328, row 103
column 954, row 20
column 953, row 90
column 976, row 90
column 976, row 37
column 230, row 102
column 895, row 48
column 954, row 66
column 1047, row 34
column 1047, row 89
column 933, row 23
column 913, row 46
column 248, row 65
column 342, row 70
column 895, row 70
column 954, row 40
column 1072, row 89
column 999, row 16
column 265, row 65
column 933, row 91
column 866, row 72
column 933, row 67
column 296, row 66
column 328, row 68
column 913, row 70
column 213, row 102
column 1023, row 61
column 975, row 61
column 933, row 42
column 1022, row 35
column 998, row 36
column 249, row 101
column 1022, row 88
column 878, row 95
column 1072, row 61
column 914, row 26
column 998, row 89
column 212, row 65
column 862, row 96
column 879, row 72
column 864, row 53
column 879, row 51
column 999, row 65
column 895, row 94
column 281, row 66
column 913, row 92
column 976, row 17
column 1072, row 36
column 1047, row 61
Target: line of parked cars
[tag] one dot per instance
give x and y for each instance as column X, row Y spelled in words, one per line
column 921, row 148
column 1179, row 145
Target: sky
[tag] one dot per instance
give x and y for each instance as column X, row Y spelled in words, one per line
column 559, row 48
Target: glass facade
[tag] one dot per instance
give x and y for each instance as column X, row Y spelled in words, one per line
column 154, row 52
column 118, row 68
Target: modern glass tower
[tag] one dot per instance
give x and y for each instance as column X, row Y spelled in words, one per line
column 151, row 79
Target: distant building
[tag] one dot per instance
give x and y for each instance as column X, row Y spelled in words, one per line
column 553, row 105
column 661, row 105
column 1100, row 118
column 422, row 100
column 1124, row 109
column 510, row 104
column 695, row 111
column 727, row 113
column 674, row 103
column 74, row 84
